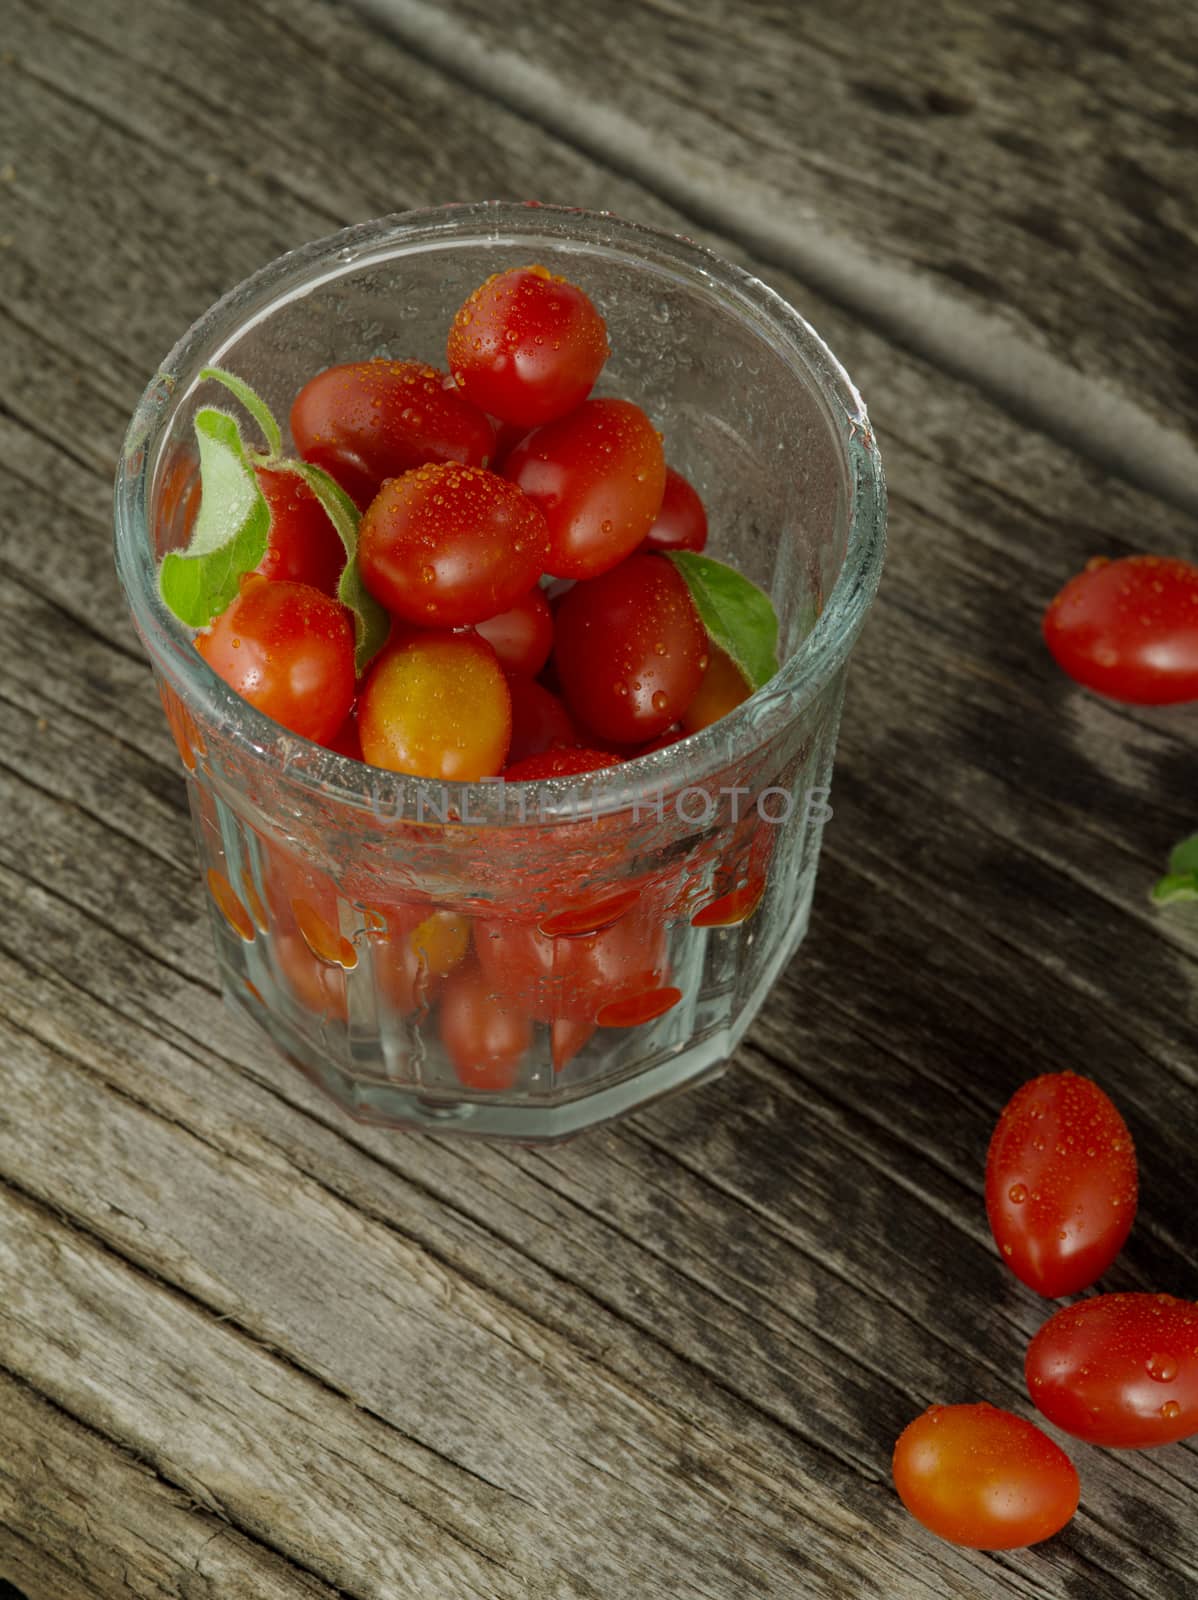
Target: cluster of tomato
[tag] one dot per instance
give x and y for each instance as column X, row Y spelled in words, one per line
column 475, row 487
column 1119, row 1370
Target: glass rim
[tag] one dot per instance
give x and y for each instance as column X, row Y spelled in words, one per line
column 690, row 761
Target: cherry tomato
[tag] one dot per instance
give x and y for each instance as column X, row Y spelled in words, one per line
column 420, row 949
column 984, row 1478
column 507, row 436
column 630, row 650
column 371, row 420
column 318, row 985
column 289, row 651
column 681, row 524
column 347, row 741
column 447, row 545
column 575, row 976
column 559, row 764
column 1119, row 1370
column 437, row 705
column 568, row 1038
column 598, row 474
column 540, row 721
column 527, row 346
column 521, row 636
column 304, row 546
column 723, row 688
column 1129, row 629
column 1060, row 1183
column 485, row 1036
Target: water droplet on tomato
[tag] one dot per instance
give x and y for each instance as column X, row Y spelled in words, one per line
column 606, row 525
column 620, row 687
column 1007, row 1250
column 1170, row 1410
column 659, row 648
column 1017, row 1194
column 660, row 701
column 1161, row 1368
column 428, row 574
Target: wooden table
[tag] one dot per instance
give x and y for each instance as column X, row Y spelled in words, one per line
column 251, row 1349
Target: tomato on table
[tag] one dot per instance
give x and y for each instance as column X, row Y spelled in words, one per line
column 630, row 650
column 366, row 421
column 527, row 346
column 445, row 545
column 436, row 705
column 681, row 524
column 485, row 1035
column 984, row 1478
column 289, row 650
column 1119, row 1370
column 1061, row 1183
column 521, row 636
column 303, row 546
column 598, row 474
column 1128, row 629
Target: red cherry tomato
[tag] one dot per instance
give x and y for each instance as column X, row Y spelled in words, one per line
column 984, row 1478
column 1060, row 1183
column 289, row 651
column 527, row 346
column 446, row 545
column 723, row 688
column 420, row 949
column 1128, row 629
column 437, row 705
column 559, row 764
column 681, row 524
column 1119, row 1370
column 630, row 649
column 598, row 474
column 540, row 721
column 371, row 420
column 521, row 636
column 347, row 741
column 319, row 986
column 485, row 1036
column 304, row 546
column 576, row 976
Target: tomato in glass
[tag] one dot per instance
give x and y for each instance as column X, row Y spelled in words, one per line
column 598, row 474
column 1128, row 629
column 303, row 545
column 559, row 764
column 1119, row 1370
column 347, row 741
column 540, row 721
column 485, row 1036
column 984, row 1478
column 573, row 976
column 318, row 985
column 630, row 650
column 1061, row 1183
column 527, row 346
column 420, row 949
column 444, row 546
column 366, row 421
column 567, row 1039
column 289, row 650
column 723, row 688
column 437, row 705
column 681, row 524
column 521, row 636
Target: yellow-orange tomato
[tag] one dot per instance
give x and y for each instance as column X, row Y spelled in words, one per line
column 721, row 691
column 437, row 705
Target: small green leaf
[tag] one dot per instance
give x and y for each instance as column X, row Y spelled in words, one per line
column 371, row 623
column 253, row 403
column 231, row 530
column 737, row 614
column 1183, row 857
column 1177, row 886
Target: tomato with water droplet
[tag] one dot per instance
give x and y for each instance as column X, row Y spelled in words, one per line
column 1061, row 1183
column 1119, row 1370
column 303, row 546
column 437, row 705
column 681, row 524
column 1128, row 629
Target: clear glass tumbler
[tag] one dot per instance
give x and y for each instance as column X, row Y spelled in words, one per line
column 525, row 960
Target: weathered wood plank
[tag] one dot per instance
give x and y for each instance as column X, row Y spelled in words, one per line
column 729, row 1412
column 992, row 184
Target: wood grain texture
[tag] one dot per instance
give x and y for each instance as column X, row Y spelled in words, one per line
column 251, row 1348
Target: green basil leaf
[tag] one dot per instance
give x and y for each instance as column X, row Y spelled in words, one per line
column 231, row 529
column 739, row 616
column 1184, row 856
column 371, row 622
column 1177, row 886
column 253, row 403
